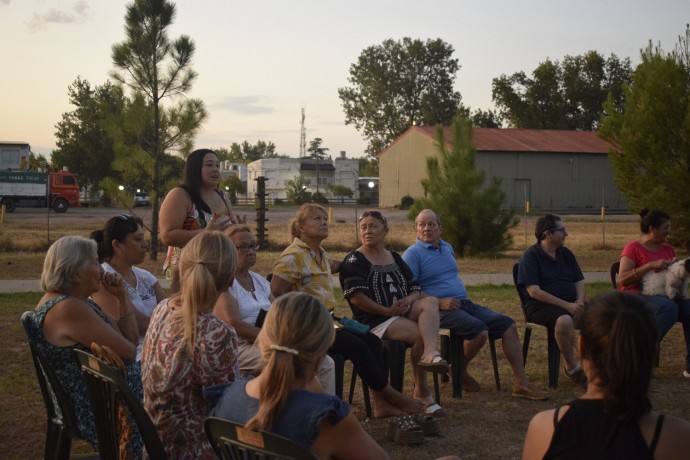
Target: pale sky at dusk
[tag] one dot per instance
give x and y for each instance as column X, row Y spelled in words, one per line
column 259, row 62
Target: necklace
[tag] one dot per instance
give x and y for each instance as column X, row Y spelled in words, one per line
column 247, row 285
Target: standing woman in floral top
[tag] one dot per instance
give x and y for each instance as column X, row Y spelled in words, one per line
column 121, row 246
column 194, row 205
column 187, row 349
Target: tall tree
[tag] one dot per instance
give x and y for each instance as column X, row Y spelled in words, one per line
column 397, row 84
column 83, row 144
column 156, row 67
column 652, row 136
column 318, row 153
column 567, row 95
column 473, row 219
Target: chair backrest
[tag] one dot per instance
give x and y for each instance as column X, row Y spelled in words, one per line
column 522, row 292
column 232, row 441
column 55, row 398
column 615, row 268
column 106, row 388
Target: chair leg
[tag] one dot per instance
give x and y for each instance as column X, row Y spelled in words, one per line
column 457, row 359
column 395, row 359
column 445, row 353
column 494, row 360
column 353, row 383
column 339, row 364
column 58, row 442
column 554, row 357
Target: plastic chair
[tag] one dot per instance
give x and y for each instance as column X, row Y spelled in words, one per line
column 232, row 441
column 452, row 349
column 339, row 361
column 61, row 424
column 106, row 389
column 554, row 353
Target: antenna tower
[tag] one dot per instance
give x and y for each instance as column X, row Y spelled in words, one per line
column 302, row 138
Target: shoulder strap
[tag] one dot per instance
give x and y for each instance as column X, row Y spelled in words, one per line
column 657, row 432
column 555, row 417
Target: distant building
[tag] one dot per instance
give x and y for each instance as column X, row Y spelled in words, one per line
column 552, row 169
column 280, row 171
column 14, row 155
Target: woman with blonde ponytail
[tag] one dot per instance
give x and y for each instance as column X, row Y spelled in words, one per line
column 187, row 349
column 295, row 336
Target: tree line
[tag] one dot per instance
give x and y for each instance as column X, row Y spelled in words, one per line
column 137, row 128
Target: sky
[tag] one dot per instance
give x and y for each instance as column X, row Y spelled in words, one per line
column 260, row 62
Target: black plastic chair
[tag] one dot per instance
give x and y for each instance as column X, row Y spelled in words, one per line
column 61, row 424
column 613, row 272
column 232, row 441
column 339, row 361
column 106, row 389
column 554, row 353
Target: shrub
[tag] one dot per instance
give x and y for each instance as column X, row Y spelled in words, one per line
column 406, row 202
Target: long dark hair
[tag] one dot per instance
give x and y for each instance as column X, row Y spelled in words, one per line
column 191, row 177
column 652, row 219
column 619, row 335
column 115, row 229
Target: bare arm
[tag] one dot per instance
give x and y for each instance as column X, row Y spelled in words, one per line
column 365, row 303
column 228, row 310
column 347, row 439
column 335, row 266
column 279, row 286
column 629, row 274
column 538, row 436
column 172, row 216
column 580, row 290
column 74, row 321
column 113, row 308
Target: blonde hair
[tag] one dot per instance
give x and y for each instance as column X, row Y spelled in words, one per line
column 64, row 259
column 206, row 267
column 297, row 333
column 303, row 213
column 235, row 229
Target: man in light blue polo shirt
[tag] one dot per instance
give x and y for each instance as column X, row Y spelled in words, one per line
column 433, row 263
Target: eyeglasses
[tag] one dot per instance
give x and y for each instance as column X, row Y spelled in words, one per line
column 375, row 215
column 245, row 248
column 557, row 229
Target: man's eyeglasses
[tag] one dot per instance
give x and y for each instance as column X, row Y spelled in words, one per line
column 245, row 248
column 375, row 215
column 557, row 229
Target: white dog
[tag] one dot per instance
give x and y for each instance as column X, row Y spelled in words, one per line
column 671, row 282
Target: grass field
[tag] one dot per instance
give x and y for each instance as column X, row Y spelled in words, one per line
column 485, row 425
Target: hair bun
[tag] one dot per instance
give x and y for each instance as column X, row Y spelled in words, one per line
column 644, row 212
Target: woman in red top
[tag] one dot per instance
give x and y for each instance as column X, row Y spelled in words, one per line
column 651, row 252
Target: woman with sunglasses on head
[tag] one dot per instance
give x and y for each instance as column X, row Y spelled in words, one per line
column 121, row 246
column 614, row 418
column 382, row 293
column 194, row 205
column 305, row 267
column 245, row 302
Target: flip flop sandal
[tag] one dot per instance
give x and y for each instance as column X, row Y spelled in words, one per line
column 433, row 409
column 436, row 365
column 405, row 430
column 430, row 426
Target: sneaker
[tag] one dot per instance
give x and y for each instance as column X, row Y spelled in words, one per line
column 530, row 392
column 577, row 375
column 686, row 374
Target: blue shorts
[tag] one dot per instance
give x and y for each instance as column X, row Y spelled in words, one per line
column 472, row 319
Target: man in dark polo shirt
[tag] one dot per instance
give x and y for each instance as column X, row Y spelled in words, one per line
column 552, row 277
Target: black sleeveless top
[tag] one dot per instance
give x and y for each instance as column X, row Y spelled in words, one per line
column 587, row 431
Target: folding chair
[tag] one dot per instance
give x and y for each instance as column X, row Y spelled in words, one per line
column 554, row 353
column 61, row 423
column 232, row 441
column 107, row 389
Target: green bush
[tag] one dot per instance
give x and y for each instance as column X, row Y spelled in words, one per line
column 406, row 202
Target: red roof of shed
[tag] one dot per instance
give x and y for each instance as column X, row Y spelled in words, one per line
column 524, row 140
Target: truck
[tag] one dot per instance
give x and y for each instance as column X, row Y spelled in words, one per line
column 58, row 190
column 21, row 187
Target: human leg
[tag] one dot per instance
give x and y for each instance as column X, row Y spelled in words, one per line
column 665, row 313
column 474, row 334
column 425, row 313
column 406, row 330
column 684, row 318
column 561, row 322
